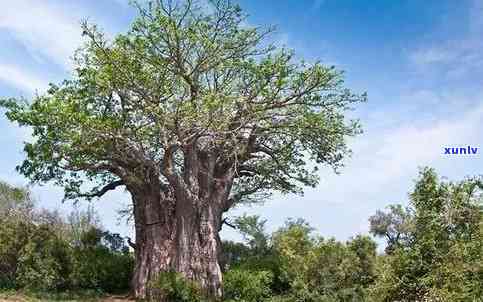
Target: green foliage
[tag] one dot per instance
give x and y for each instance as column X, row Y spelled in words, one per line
column 292, row 244
column 174, row 287
column 303, row 267
column 325, row 270
column 39, row 251
column 15, row 229
column 394, row 225
column 81, row 223
column 441, row 260
column 234, row 253
column 436, row 255
column 253, row 231
column 174, row 76
column 14, row 200
column 96, row 266
column 14, row 235
column 247, row 286
column 43, row 296
column 364, row 249
column 44, row 262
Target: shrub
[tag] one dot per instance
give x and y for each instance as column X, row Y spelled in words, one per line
column 101, row 267
column 247, row 286
column 14, row 235
column 98, row 268
column 174, row 287
column 441, row 260
column 44, row 262
column 16, row 208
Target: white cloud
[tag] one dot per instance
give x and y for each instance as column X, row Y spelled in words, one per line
column 385, row 161
column 457, row 57
column 385, row 156
column 412, row 145
column 432, row 55
column 17, row 77
column 404, row 134
column 45, row 30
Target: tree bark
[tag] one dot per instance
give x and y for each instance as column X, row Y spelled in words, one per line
column 197, row 245
column 154, row 237
column 177, row 229
column 176, row 235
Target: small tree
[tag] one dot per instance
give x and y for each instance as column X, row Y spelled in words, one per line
column 44, row 261
column 393, row 225
column 16, row 213
column 193, row 112
column 311, row 268
column 15, row 201
column 440, row 260
column 252, row 228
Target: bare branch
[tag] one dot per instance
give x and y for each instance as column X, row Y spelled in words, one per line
column 109, row 187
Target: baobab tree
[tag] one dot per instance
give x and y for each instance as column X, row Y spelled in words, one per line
column 193, row 112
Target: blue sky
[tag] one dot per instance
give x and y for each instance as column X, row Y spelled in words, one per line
column 421, row 63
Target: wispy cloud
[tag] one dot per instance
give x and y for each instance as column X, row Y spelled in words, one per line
column 381, row 171
column 22, row 79
column 424, row 56
column 457, row 57
column 409, row 132
column 453, row 58
column 45, row 30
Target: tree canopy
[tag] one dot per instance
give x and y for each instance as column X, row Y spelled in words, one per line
column 182, row 78
column 193, row 111
column 439, row 254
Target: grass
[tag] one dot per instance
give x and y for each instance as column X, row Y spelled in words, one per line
column 65, row 296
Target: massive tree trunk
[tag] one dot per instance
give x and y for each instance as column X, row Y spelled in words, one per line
column 178, row 231
column 197, row 244
column 154, row 236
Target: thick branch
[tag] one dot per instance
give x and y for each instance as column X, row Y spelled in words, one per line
column 130, row 243
column 109, row 187
column 225, row 221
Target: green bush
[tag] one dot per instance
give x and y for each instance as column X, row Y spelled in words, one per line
column 14, row 235
column 435, row 256
column 441, row 258
column 98, row 268
column 174, row 287
column 44, row 262
column 16, row 225
column 40, row 253
column 247, row 286
column 101, row 267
